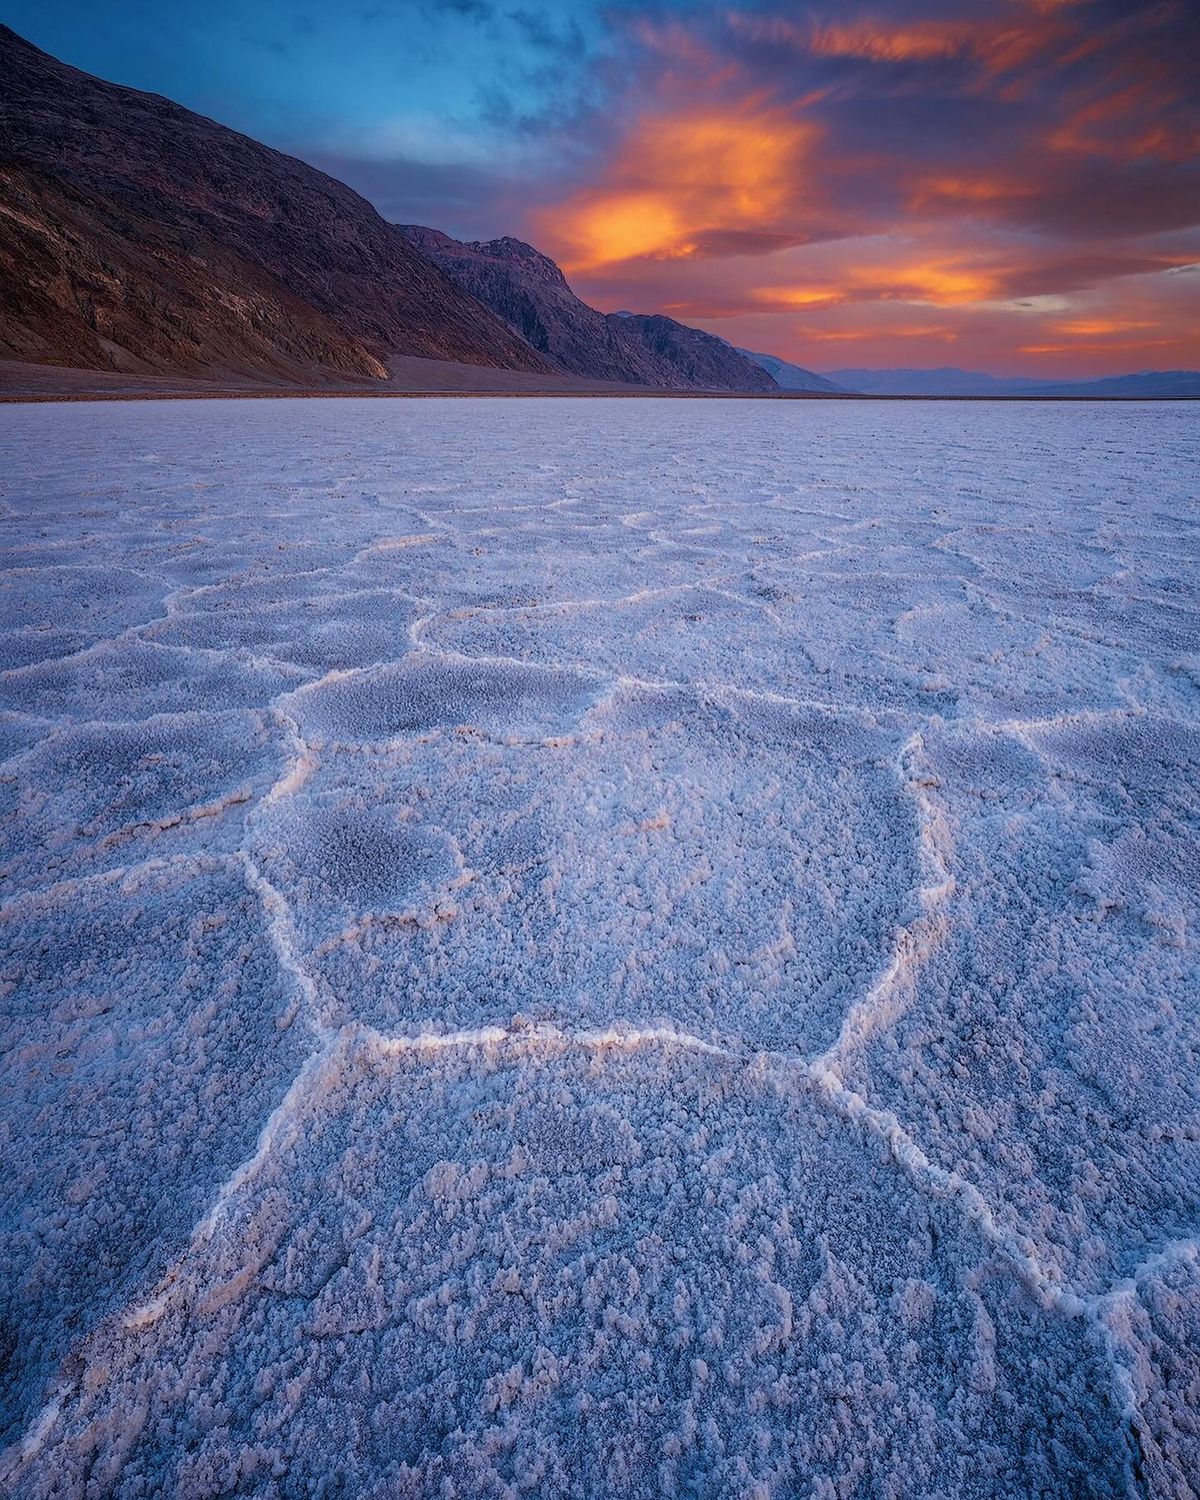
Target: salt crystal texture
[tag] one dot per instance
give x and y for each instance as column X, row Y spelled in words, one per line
column 595, row 948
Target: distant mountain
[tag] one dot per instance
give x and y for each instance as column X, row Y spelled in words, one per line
column 952, row 382
column 941, row 382
column 791, row 377
column 530, row 293
column 1146, row 383
column 703, row 361
column 140, row 236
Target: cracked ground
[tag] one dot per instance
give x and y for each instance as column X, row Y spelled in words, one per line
column 595, row 948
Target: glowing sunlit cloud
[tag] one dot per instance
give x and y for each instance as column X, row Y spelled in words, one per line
column 1097, row 327
column 620, row 226
column 924, row 282
column 943, row 285
column 1109, row 347
column 994, row 47
column 769, row 198
column 797, row 296
column 679, row 177
column 863, row 335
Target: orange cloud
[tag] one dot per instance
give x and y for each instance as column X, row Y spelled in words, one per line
column 970, row 189
column 996, row 48
column 798, row 296
column 942, row 191
column 873, row 176
column 680, row 179
column 1096, row 327
column 863, row 335
column 1110, row 347
column 931, row 281
column 621, row 225
column 1126, row 125
column 939, row 283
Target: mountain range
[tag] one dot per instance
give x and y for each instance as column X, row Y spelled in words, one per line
column 530, row 293
column 949, row 381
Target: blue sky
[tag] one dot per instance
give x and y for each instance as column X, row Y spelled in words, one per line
column 363, row 74
column 449, row 110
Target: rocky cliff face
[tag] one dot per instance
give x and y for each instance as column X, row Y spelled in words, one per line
column 529, row 292
column 137, row 235
column 87, row 284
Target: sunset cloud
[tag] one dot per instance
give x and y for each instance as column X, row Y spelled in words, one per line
column 1027, row 166
column 690, row 184
column 975, row 38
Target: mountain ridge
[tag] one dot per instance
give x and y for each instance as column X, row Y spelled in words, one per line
column 947, row 380
column 529, row 292
column 140, row 235
column 792, row 377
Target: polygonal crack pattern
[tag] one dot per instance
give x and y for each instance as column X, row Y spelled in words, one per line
column 599, row 948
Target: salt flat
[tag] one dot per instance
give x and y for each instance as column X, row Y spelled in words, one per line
column 600, row 948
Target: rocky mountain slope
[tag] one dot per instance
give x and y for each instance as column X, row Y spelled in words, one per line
column 791, row 377
column 530, row 293
column 135, row 234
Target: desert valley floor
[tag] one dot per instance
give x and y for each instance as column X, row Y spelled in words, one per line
column 600, row 948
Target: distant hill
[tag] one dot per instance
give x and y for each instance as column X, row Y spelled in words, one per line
column 941, row 382
column 791, row 377
column 142, row 237
column 530, row 293
column 1146, row 383
column 948, row 381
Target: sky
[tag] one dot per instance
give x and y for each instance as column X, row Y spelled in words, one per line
column 1007, row 185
